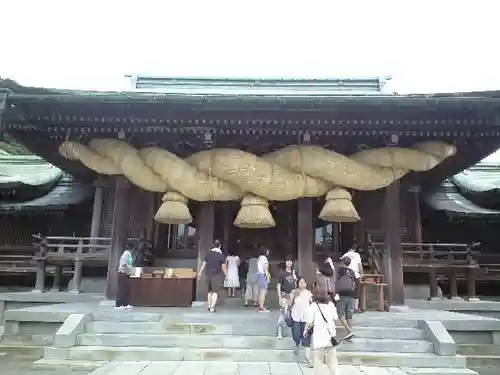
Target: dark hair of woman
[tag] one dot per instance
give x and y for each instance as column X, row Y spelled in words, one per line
column 346, row 261
column 289, row 258
column 216, row 243
column 231, row 253
column 325, row 269
column 299, row 278
column 320, row 294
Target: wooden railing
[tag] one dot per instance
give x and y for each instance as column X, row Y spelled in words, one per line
column 16, row 259
column 373, row 256
column 68, row 252
column 452, row 259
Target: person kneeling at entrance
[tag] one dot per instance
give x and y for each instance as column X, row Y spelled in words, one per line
column 215, row 266
column 345, row 287
column 124, row 271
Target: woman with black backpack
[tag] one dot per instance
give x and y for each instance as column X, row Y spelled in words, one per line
column 345, row 287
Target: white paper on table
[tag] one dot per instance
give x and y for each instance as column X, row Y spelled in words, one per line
column 138, row 272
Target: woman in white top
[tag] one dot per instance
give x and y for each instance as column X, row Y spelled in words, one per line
column 262, row 278
column 300, row 302
column 232, row 280
column 357, row 266
column 321, row 318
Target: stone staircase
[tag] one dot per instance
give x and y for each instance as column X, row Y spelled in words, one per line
column 483, row 358
column 246, row 336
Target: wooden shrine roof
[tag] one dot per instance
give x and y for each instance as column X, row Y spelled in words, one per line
column 265, row 101
column 447, row 198
column 273, row 94
column 65, row 193
column 29, row 183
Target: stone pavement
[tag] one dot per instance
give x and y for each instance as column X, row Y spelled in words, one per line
column 249, row 368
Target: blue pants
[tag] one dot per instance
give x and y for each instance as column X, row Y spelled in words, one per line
column 297, row 334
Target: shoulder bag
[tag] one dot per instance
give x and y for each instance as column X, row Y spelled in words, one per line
column 333, row 340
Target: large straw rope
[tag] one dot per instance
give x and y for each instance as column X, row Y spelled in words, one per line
column 293, row 172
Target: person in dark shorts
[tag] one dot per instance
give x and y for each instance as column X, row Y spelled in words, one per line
column 214, row 266
column 287, row 282
column 345, row 287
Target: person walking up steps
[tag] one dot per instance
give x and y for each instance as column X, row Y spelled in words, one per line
column 215, row 267
column 251, row 288
column 345, row 287
column 262, row 278
column 356, row 266
column 232, row 281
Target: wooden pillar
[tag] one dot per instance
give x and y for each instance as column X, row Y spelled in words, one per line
column 56, row 283
column 40, row 275
column 121, row 208
column 414, row 218
column 150, row 225
column 393, row 266
column 95, row 228
column 360, row 230
column 205, row 237
column 76, row 286
column 228, row 224
column 305, row 239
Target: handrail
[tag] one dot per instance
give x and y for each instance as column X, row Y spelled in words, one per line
column 373, row 256
column 432, row 252
column 434, row 245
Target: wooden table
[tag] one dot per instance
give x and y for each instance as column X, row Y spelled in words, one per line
column 376, row 280
column 161, row 292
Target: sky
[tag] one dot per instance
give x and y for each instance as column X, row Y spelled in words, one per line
column 426, row 46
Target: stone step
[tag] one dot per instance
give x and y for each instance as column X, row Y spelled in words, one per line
column 245, row 342
column 439, row 371
column 262, row 329
column 481, row 361
column 106, row 353
column 235, row 316
column 28, row 339
column 486, row 370
column 242, row 368
column 478, row 349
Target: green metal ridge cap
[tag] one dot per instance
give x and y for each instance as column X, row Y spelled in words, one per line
column 477, row 181
column 31, row 174
column 21, row 159
column 249, row 85
column 270, row 78
column 449, row 199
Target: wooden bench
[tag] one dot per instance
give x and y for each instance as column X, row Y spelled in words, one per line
column 375, row 280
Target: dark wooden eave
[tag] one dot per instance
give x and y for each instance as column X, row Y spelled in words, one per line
column 140, row 111
column 472, row 119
